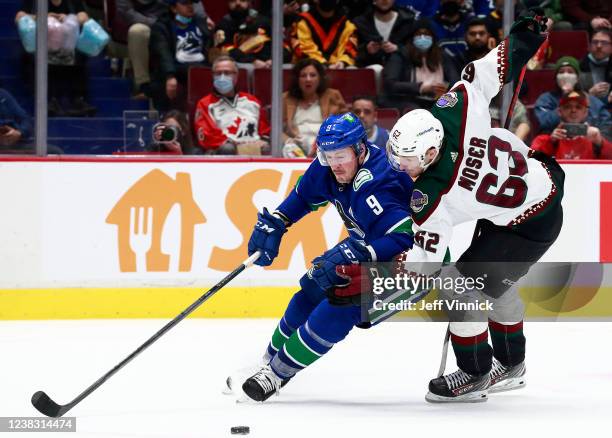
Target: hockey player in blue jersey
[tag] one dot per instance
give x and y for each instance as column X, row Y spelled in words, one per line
column 353, row 175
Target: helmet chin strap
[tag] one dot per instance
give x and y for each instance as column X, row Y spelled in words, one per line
column 422, row 159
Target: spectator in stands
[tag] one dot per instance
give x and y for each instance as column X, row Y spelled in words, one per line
column 15, row 123
column 585, row 13
column 450, row 24
column 307, row 103
column 67, row 73
column 419, row 8
column 381, row 32
column 519, row 124
column 596, row 67
column 244, row 34
column 365, row 108
column 178, row 41
column 228, row 121
column 418, row 73
column 172, row 135
column 565, row 141
column 478, row 40
column 140, row 15
column 325, row 34
column 567, row 73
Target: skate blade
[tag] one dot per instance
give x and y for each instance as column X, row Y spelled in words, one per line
column 508, row 385
column 475, row 397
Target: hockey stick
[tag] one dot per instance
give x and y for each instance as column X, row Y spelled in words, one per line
column 43, row 403
column 515, row 95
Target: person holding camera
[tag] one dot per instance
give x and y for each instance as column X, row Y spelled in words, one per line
column 172, row 135
column 574, row 138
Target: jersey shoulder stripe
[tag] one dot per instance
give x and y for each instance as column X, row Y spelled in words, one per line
column 437, row 180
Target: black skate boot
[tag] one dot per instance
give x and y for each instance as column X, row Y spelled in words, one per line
column 235, row 379
column 505, row 378
column 263, row 384
column 458, row 387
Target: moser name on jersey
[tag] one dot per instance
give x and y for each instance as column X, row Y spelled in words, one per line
column 469, row 174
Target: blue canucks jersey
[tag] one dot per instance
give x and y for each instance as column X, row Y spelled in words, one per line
column 375, row 207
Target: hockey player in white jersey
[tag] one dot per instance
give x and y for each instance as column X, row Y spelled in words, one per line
column 464, row 170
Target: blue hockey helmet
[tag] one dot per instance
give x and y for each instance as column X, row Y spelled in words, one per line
column 339, row 132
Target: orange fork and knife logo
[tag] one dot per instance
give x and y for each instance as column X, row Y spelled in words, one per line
column 145, row 216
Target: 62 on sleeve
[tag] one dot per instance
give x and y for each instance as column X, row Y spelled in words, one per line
column 428, row 241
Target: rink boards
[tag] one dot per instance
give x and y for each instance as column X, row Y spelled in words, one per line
column 136, row 238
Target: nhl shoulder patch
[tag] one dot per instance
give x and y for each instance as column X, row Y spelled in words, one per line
column 419, row 201
column 447, row 100
column 362, row 177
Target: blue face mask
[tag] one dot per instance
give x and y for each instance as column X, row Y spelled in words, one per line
column 422, row 42
column 183, row 20
column 223, row 84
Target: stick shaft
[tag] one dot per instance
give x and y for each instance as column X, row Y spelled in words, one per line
column 515, row 97
column 229, row 277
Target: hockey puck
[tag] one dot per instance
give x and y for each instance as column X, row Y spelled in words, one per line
column 240, row 430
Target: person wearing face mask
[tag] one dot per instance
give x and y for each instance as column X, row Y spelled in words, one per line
column 381, row 31
column 244, row 34
column 450, row 24
column 140, row 16
column 597, row 66
column 567, row 79
column 228, row 121
column 179, row 40
column 325, row 34
column 419, row 73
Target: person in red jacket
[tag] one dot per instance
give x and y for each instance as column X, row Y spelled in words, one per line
column 565, row 142
column 227, row 121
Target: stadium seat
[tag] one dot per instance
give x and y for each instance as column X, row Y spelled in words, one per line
column 114, row 22
column 353, row 82
column 200, row 83
column 538, row 82
column 216, row 9
column 262, row 83
column 387, row 117
column 568, row 43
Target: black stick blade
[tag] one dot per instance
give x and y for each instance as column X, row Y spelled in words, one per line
column 43, row 403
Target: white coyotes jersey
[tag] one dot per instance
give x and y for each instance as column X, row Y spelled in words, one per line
column 483, row 172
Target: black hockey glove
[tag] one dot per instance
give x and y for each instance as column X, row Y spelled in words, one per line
column 532, row 19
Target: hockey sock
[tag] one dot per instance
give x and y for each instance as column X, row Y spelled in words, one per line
column 279, row 337
column 508, row 342
column 326, row 326
column 296, row 314
column 473, row 353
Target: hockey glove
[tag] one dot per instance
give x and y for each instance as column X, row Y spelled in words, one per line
column 532, row 19
column 266, row 237
column 347, row 252
column 361, row 281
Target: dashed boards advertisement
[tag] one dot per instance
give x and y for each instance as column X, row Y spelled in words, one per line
column 98, row 239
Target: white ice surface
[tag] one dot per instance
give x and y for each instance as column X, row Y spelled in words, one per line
column 371, row 385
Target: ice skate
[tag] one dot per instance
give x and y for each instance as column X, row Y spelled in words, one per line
column 458, row 387
column 263, row 384
column 507, row 378
column 236, row 378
